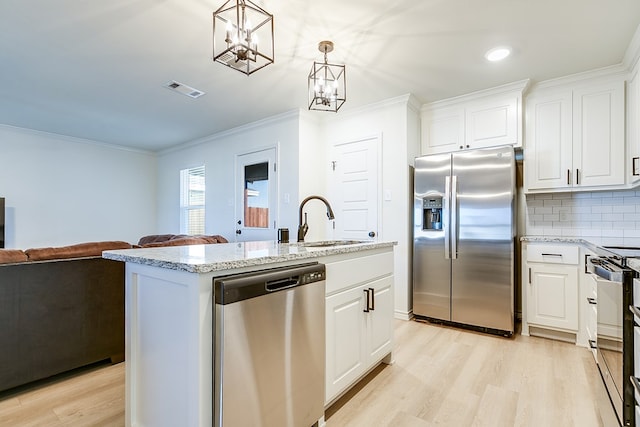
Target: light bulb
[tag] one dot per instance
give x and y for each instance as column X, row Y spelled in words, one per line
column 497, row 53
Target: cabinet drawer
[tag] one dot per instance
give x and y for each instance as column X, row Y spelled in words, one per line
column 553, row 254
column 345, row 274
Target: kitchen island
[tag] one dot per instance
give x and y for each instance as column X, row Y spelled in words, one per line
column 169, row 319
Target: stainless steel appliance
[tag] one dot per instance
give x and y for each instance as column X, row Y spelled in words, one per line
column 269, row 347
column 614, row 331
column 463, row 246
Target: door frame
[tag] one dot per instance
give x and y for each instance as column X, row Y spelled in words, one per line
column 273, row 217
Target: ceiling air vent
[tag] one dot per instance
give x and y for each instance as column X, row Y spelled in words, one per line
column 184, row 89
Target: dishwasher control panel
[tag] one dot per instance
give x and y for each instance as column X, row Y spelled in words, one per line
column 315, row 276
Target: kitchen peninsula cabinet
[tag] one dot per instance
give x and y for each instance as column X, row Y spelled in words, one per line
column 359, row 317
column 169, row 317
column 481, row 119
column 575, row 136
column 551, row 280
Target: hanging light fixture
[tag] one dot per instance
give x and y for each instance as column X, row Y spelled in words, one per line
column 242, row 36
column 327, row 84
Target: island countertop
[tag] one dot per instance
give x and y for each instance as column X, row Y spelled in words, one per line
column 228, row 256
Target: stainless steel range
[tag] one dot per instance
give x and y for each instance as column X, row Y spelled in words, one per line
column 614, row 330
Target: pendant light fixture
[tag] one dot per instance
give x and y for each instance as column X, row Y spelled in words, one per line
column 327, row 84
column 242, row 36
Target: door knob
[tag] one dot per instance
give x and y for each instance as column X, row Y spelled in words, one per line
column 372, row 234
column 238, row 231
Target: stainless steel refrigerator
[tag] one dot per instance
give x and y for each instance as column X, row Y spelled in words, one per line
column 463, row 239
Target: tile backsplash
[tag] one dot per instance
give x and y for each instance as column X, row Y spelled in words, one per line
column 603, row 217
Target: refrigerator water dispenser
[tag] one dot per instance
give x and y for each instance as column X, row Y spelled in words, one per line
column 432, row 213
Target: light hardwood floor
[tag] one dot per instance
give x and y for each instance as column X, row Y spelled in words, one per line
column 440, row 377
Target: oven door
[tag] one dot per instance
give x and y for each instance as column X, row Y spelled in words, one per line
column 609, row 340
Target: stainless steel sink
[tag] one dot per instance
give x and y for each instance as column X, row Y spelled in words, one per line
column 329, row 243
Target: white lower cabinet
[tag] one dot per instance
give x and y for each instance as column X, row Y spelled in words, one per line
column 553, row 296
column 359, row 326
column 551, row 280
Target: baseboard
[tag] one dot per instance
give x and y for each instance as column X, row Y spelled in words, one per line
column 403, row 315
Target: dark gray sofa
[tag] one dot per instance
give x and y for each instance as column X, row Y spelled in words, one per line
column 59, row 314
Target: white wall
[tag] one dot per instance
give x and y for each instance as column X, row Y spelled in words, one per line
column 61, row 190
column 313, row 169
column 218, row 153
column 398, row 124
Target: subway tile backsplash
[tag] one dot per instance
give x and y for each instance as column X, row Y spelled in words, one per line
column 603, row 218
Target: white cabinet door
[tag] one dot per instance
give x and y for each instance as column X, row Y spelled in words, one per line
column 633, row 126
column 492, row 122
column 379, row 321
column 442, row 130
column 598, row 135
column 552, row 296
column 344, row 340
column 549, row 141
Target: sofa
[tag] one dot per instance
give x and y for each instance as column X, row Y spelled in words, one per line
column 62, row 308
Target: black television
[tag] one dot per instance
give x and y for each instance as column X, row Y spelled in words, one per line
column 1, row 222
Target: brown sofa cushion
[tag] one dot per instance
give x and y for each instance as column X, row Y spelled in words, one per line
column 8, row 256
column 75, row 251
column 182, row 242
column 151, row 240
column 155, row 238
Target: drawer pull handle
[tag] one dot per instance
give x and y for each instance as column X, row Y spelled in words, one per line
column 560, row 255
column 592, row 301
column 592, row 344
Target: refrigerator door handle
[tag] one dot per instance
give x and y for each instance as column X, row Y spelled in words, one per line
column 454, row 217
column 445, row 217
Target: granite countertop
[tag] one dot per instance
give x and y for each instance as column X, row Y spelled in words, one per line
column 558, row 239
column 229, row 256
column 553, row 239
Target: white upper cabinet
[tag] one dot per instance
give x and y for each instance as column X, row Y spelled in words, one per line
column 549, row 153
column 443, row 130
column 493, row 122
column 481, row 119
column 633, row 125
column 575, row 136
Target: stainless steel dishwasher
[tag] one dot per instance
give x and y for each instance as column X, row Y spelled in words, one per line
column 269, row 347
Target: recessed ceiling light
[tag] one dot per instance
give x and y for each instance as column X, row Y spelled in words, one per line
column 497, row 53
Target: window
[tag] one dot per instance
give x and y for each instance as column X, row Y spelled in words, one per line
column 192, row 200
column 256, row 195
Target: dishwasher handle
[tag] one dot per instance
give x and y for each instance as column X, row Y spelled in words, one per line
column 277, row 285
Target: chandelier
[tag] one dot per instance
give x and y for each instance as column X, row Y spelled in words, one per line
column 242, row 36
column 327, row 84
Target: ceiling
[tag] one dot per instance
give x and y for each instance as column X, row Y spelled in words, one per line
column 96, row 70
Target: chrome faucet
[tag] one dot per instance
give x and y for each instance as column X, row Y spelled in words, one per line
column 303, row 228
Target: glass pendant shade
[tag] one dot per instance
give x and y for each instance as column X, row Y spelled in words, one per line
column 327, row 83
column 242, row 36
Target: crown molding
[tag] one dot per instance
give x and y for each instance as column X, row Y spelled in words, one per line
column 632, row 54
column 278, row 118
column 73, row 139
column 519, row 86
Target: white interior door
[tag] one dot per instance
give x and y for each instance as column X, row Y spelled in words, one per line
column 256, row 195
column 354, row 188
